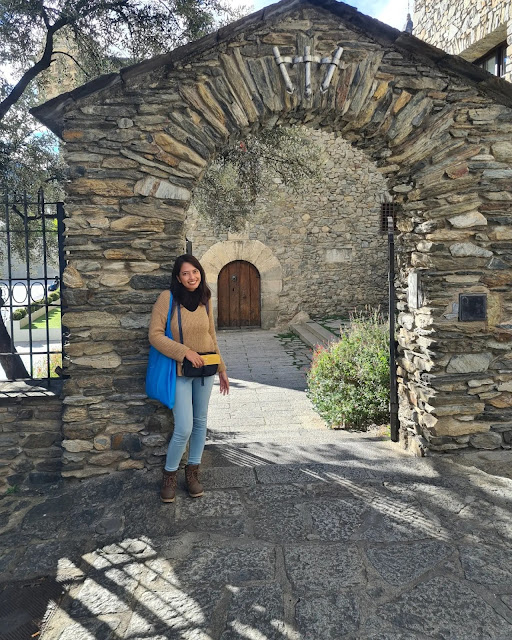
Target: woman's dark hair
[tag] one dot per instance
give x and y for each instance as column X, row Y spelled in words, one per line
column 178, row 290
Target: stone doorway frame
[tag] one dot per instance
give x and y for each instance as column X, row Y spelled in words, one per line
column 259, row 255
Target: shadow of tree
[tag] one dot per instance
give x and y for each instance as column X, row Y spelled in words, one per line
column 252, row 558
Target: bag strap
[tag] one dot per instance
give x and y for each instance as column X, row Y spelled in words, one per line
column 168, row 327
column 207, row 307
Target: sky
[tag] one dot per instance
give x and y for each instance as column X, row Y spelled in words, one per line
column 393, row 12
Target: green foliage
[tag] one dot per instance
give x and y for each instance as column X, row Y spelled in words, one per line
column 98, row 35
column 11, row 490
column 19, row 314
column 35, row 306
column 348, row 382
column 29, row 158
column 247, row 171
column 52, row 46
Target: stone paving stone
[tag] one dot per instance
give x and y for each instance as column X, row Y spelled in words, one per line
column 320, row 490
column 233, row 564
column 328, row 618
column 390, row 523
column 228, row 478
column 62, row 627
column 256, row 612
column 393, row 634
column 487, row 565
column 7, row 559
column 412, row 561
column 212, row 505
column 323, row 567
column 104, row 594
column 274, row 496
column 150, row 515
column 441, row 608
column 47, row 519
column 286, row 474
column 337, row 519
column 49, row 558
column 272, row 524
column 175, row 614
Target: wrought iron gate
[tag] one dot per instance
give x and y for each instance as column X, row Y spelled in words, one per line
column 32, row 263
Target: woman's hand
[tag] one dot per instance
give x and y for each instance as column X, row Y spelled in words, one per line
column 194, row 358
column 224, row 383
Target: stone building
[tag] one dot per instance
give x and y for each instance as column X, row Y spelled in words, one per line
column 321, row 251
column 137, row 143
column 477, row 30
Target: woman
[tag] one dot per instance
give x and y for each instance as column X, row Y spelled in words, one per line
column 192, row 295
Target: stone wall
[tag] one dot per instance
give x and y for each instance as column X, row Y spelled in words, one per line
column 469, row 28
column 326, row 238
column 30, row 435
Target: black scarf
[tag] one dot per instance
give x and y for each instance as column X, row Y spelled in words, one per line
column 189, row 299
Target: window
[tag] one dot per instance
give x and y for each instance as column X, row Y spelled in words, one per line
column 495, row 60
column 387, row 209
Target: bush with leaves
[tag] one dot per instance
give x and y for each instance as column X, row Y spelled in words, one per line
column 36, row 305
column 19, row 314
column 348, row 382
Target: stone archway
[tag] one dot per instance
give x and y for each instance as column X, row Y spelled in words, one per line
column 138, row 142
column 262, row 258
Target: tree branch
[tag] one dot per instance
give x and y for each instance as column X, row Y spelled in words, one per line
column 65, row 53
column 42, row 64
column 46, row 59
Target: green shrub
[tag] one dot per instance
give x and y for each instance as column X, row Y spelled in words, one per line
column 35, row 306
column 19, row 314
column 348, row 382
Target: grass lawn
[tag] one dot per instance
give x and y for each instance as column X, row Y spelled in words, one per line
column 54, row 321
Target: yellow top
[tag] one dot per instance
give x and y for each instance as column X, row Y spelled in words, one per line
column 198, row 331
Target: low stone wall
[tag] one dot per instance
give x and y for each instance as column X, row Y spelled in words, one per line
column 33, row 450
column 30, row 435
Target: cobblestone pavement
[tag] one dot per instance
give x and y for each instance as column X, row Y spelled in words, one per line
column 345, row 540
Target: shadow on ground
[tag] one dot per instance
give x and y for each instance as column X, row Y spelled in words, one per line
column 389, row 548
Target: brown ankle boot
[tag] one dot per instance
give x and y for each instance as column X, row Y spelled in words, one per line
column 195, row 488
column 168, row 490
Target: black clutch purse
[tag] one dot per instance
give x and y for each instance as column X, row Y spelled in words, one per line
column 212, row 361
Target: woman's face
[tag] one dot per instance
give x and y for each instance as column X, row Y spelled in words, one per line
column 190, row 276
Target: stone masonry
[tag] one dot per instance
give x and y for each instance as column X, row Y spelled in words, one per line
column 326, row 238
column 469, row 28
column 30, row 435
column 437, row 127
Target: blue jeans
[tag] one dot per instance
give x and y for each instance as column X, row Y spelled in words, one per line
column 190, row 413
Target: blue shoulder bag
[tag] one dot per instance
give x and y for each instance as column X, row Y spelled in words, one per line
column 161, row 372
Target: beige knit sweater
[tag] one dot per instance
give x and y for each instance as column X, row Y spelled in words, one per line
column 198, row 331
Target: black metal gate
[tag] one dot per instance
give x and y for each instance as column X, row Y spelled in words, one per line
column 32, row 263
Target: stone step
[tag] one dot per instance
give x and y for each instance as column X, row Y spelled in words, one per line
column 313, row 334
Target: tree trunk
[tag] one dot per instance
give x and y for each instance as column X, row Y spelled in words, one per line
column 11, row 362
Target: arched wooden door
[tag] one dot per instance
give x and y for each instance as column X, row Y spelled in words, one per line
column 238, row 292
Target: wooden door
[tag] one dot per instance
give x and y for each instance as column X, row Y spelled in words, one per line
column 238, row 292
